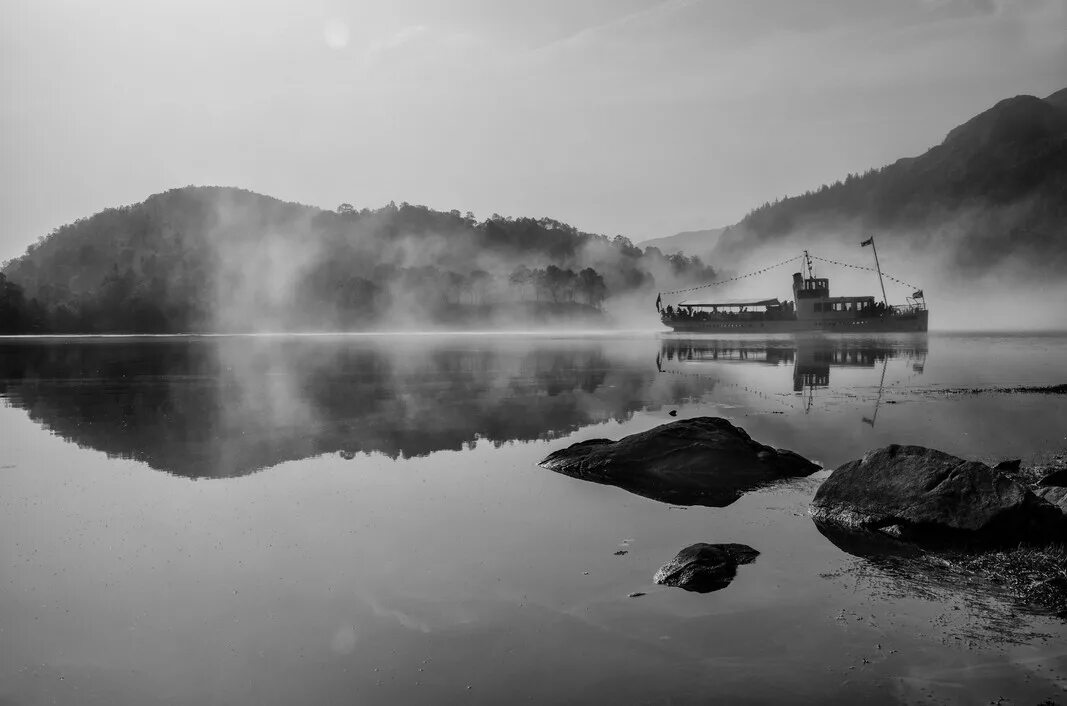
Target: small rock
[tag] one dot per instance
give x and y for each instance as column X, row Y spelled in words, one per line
column 621, row 552
column 704, row 568
column 1009, row 466
column 673, row 413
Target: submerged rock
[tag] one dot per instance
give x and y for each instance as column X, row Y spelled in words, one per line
column 1055, row 494
column 1033, row 575
column 1055, row 478
column 700, row 461
column 1052, row 485
column 704, row 568
column 1009, row 467
column 915, row 493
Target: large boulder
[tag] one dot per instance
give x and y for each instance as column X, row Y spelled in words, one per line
column 700, row 461
column 704, row 568
column 921, row 494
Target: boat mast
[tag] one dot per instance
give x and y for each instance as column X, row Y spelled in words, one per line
column 879, row 268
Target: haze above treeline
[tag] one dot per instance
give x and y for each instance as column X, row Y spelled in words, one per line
column 986, row 206
column 219, row 259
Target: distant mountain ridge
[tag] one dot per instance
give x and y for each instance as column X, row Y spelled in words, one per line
column 691, row 242
column 995, row 187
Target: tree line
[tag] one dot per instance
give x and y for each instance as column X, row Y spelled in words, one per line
column 202, row 259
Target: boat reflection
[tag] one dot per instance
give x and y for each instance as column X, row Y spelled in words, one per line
column 811, row 358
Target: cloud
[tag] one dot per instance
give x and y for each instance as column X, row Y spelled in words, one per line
column 401, row 38
column 638, row 20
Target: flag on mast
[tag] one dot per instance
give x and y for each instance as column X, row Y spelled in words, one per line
column 867, row 242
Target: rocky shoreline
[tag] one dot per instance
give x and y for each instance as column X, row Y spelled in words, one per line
column 1060, row 389
column 935, row 512
column 1005, row 525
column 1033, row 575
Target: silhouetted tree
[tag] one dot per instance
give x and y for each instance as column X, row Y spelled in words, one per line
column 592, row 286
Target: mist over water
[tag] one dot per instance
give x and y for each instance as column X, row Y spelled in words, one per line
column 206, row 259
column 278, row 270
column 260, row 275
column 989, row 292
column 222, row 405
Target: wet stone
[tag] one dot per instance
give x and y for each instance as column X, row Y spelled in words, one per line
column 703, row 568
column 701, row 461
column 920, row 494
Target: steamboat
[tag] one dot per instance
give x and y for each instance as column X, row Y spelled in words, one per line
column 811, row 309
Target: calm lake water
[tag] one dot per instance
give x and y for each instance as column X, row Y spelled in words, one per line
column 362, row 520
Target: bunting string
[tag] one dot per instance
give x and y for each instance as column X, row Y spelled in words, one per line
column 732, row 279
column 862, row 267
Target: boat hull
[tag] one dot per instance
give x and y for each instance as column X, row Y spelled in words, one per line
column 897, row 323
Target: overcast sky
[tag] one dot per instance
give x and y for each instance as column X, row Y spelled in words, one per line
column 639, row 117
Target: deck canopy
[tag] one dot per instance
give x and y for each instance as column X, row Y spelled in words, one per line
column 727, row 303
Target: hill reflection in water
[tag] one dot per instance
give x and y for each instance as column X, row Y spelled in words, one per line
column 221, row 407
column 227, row 407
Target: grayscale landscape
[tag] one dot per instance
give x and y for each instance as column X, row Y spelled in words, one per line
column 628, row 351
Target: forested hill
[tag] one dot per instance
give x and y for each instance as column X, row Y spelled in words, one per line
column 224, row 259
column 996, row 186
column 694, row 242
